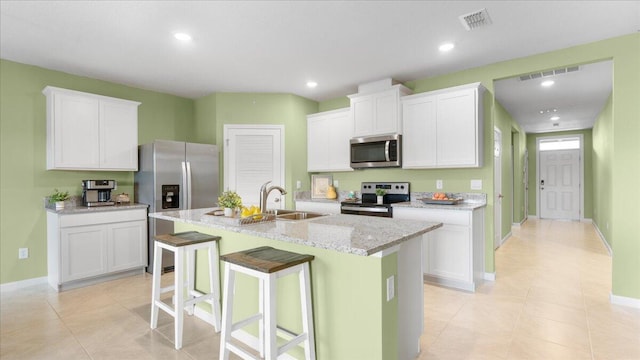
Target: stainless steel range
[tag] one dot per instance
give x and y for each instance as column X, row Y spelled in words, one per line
column 395, row 192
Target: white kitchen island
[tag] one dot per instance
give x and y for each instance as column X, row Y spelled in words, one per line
column 367, row 286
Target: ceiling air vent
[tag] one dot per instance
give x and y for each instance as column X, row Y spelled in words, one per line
column 538, row 75
column 475, row 19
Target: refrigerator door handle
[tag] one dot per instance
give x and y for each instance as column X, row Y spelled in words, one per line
column 185, row 186
column 189, row 192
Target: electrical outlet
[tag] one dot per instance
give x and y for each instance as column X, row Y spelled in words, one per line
column 391, row 291
column 439, row 184
column 298, row 184
column 23, row 253
column 336, row 183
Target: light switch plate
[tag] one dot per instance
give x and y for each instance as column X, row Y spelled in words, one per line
column 336, row 183
column 391, row 291
column 298, row 184
column 476, row 184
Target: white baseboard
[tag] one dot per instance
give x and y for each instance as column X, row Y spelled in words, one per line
column 533, row 217
column 625, row 301
column 604, row 240
column 17, row 285
column 490, row 276
column 586, row 220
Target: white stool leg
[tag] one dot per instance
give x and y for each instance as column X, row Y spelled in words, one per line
column 155, row 289
column 262, row 311
column 214, row 284
column 270, row 318
column 191, row 268
column 227, row 311
column 179, row 296
column 307, row 312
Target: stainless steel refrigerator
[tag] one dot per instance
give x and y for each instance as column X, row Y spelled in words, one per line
column 172, row 176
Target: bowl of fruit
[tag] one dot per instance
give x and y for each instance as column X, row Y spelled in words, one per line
column 441, row 198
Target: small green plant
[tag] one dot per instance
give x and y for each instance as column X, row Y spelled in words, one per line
column 381, row 192
column 230, row 199
column 58, row 196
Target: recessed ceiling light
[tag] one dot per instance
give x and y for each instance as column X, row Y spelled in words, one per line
column 446, row 47
column 554, row 118
column 547, row 83
column 182, row 36
column 312, row 84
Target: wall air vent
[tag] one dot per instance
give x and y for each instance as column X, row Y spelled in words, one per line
column 538, row 75
column 475, row 19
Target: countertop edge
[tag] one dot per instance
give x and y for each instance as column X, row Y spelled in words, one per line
column 85, row 209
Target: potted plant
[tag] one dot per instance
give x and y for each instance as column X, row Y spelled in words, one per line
column 58, row 197
column 230, row 201
column 380, row 195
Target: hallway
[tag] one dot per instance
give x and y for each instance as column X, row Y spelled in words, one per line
column 550, row 301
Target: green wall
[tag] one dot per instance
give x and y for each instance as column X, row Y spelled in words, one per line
column 588, row 169
column 24, row 182
column 602, row 171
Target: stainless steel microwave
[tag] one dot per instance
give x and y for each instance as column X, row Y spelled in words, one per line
column 376, row 151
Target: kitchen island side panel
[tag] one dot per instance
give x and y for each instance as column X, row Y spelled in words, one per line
column 352, row 318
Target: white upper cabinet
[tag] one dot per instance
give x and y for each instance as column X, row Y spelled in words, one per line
column 443, row 129
column 328, row 135
column 378, row 112
column 90, row 132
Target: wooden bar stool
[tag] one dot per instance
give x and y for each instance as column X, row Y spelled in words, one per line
column 181, row 243
column 267, row 264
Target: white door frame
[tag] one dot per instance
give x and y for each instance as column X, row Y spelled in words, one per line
column 497, row 191
column 580, row 164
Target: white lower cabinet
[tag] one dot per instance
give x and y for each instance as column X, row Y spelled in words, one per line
column 319, row 206
column 453, row 255
column 86, row 247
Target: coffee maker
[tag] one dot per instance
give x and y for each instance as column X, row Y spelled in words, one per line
column 97, row 192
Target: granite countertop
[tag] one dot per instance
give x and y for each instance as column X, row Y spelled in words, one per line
column 460, row 206
column 352, row 234
column 470, row 201
column 79, row 209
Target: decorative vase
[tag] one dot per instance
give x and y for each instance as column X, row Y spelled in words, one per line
column 379, row 199
column 228, row 212
column 331, row 192
column 59, row 205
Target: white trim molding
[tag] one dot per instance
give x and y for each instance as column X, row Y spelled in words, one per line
column 490, row 276
column 604, row 240
column 17, row 285
column 624, row 301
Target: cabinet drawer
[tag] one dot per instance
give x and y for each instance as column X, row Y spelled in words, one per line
column 102, row 217
column 451, row 217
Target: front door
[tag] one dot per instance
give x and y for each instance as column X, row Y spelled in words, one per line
column 559, row 184
column 253, row 155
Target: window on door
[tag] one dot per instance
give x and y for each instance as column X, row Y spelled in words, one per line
column 572, row 143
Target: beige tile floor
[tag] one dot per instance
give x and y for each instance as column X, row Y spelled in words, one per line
column 550, row 301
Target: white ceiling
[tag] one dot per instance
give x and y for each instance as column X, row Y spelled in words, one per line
column 277, row 46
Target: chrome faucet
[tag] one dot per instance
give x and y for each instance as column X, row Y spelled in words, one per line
column 264, row 194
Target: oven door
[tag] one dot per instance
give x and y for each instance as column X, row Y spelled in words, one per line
column 366, row 210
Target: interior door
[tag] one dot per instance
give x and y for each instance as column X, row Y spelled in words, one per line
column 559, row 184
column 497, row 188
column 253, row 155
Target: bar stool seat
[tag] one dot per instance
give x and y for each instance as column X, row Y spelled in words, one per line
column 181, row 244
column 267, row 264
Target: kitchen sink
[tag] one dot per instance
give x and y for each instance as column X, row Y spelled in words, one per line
column 282, row 214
